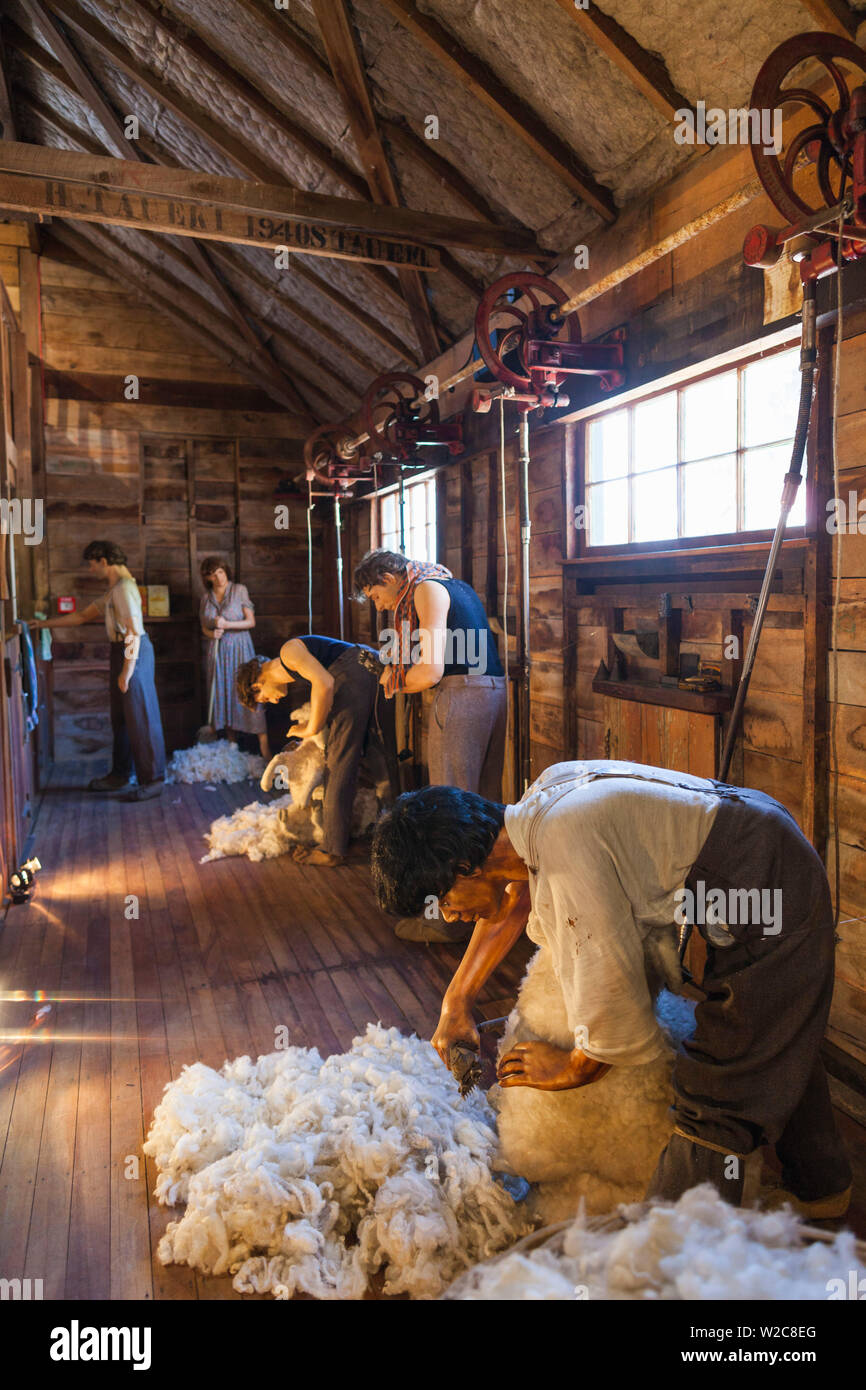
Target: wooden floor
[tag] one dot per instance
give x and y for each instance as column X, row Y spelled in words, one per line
column 219, row 957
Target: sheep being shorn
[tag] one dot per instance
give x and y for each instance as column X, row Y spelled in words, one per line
column 601, row 1142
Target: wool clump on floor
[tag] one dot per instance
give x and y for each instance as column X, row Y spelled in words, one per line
column 307, row 1176
column 698, row 1248
column 221, row 761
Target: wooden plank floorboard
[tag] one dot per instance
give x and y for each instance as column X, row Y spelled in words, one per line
column 220, row 956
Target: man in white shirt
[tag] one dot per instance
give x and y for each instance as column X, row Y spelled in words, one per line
column 599, row 861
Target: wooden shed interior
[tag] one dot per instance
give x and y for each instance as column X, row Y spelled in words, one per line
column 245, row 256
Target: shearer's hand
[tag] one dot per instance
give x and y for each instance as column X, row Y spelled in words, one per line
column 455, row 1025
column 547, row 1068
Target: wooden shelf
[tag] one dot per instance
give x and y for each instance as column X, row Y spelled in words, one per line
column 651, row 693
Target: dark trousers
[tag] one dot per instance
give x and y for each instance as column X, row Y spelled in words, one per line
column 752, row 1073
column 135, row 718
column 355, row 690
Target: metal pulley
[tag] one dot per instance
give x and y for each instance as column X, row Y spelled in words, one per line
column 401, row 417
column 815, row 173
column 531, row 347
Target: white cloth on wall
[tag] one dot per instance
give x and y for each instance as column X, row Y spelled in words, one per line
column 608, row 845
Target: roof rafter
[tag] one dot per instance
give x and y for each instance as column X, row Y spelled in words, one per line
column 176, row 301
column 43, row 60
column 646, row 71
column 231, row 79
column 217, row 135
column 510, row 110
column 341, row 46
column 7, row 118
column 237, row 265
column 278, row 27
column 834, row 16
column 90, row 92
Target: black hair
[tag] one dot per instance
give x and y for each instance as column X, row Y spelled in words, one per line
column 246, row 676
column 373, row 567
column 425, row 840
column 105, row 550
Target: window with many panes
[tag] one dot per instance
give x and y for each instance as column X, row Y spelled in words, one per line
column 706, row 458
column 419, row 519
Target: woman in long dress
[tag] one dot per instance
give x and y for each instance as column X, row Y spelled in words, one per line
column 227, row 617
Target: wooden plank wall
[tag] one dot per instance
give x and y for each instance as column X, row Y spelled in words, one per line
column 171, row 483
column 848, row 704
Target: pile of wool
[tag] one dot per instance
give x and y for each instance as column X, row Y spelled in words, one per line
column 221, row 761
column 698, row 1248
column 307, row 1176
column 267, row 829
column 264, row 830
column 598, row 1144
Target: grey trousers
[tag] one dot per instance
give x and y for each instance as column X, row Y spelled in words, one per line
column 752, row 1073
column 135, row 719
column 466, row 736
column 355, row 690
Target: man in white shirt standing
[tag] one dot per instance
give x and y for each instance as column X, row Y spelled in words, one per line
column 599, row 861
column 135, row 718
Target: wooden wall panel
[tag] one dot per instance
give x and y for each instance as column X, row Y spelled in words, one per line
column 848, row 1017
column 170, row 484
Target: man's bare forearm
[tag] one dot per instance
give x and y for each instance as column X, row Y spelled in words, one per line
column 489, row 945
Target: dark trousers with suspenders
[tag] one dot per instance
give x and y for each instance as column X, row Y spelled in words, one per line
column 357, row 728
column 752, row 1073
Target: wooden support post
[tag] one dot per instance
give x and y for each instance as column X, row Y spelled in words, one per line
column 467, row 507
column 817, row 611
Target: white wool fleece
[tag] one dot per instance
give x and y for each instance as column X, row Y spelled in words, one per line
column 221, row 761
column 308, row 1176
column 600, row 1142
column 698, row 1248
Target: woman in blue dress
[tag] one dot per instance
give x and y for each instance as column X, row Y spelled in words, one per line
column 227, row 617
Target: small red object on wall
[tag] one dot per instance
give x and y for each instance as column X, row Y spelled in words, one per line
column 66, row 603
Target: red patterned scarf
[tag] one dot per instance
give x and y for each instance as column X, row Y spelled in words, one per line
column 406, row 620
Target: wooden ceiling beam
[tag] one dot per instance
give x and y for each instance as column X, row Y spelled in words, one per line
column 277, row 202
column 834, row 17
column 40, row 58
column 341, row 46
column 89, row 90
column 513, row 113
column 646, row 71
column 169, row 297
column 217, row 135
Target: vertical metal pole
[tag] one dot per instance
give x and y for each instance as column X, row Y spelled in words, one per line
column 309, row 555
column 525, row 655
column 338, row 526
column 401, row 498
